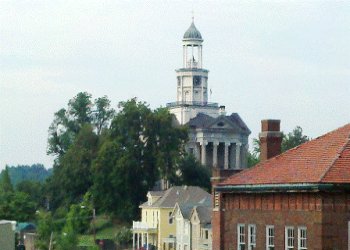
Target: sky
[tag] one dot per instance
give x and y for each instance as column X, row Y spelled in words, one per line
column 287, row 60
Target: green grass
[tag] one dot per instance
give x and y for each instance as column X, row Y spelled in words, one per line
column 104, row 230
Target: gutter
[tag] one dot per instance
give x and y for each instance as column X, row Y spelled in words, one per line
column 275, row 188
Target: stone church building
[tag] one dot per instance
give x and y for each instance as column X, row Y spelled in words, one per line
column 217, row 140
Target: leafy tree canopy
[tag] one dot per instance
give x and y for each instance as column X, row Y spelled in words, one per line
column 36, row 172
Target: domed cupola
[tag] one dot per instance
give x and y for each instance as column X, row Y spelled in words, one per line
column 192, row 34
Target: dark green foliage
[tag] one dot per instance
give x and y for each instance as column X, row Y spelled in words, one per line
column 35, row 190
column 45, row 227
column 16, row 206
column 252, row 159
column 293, row 139
column 5, row 181
column 72, row 177
column 192, row 173
column 36, row 172
column 142, row 147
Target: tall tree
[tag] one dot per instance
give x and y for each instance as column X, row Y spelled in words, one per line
column 6, row 185
column 103, row 113
column 293, row 139
column 142, row 147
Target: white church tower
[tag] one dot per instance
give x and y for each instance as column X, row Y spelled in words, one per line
column 192, row 81
column 217, row 140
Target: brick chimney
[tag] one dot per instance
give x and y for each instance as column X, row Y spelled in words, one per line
column 270, row 139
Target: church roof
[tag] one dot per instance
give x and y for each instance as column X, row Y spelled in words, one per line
column 325, row 159
column 192, row 33
column 205, row 121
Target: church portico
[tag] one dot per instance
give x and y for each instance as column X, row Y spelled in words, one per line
column 219, row 154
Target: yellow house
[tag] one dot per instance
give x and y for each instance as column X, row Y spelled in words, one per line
column 157, row 226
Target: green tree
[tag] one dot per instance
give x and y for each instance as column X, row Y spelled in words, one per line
column 72, row 177
column 192, row 173
column 45, row 228
column 141, row 148
column 103, row 113
column 6, row 185
column 79, row 216
column 34, row 189
column 16, row 206
column 293, row 139
column 67, row 123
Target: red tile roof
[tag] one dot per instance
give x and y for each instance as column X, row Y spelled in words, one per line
column 325, row 159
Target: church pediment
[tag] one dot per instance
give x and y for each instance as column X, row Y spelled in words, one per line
column 223, row 123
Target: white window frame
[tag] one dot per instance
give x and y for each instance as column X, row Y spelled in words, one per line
column 270, row 246
column 251, row 236
column 301, row 245
column 288, row 237
column 349, row 235
column 240, row 237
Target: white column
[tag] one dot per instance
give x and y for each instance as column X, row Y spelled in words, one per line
column 147, row 241
column 238, row 155
column 138, row 240
column 204, row 153
column 226, row 156
column 215, row 154
column 133, row 241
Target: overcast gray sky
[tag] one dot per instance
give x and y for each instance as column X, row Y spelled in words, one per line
column 267, row 59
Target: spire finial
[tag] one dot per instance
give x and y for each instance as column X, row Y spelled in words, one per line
column 192, row 15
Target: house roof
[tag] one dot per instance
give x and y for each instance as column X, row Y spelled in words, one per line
column 325, row 159
column 206, row 121
column 204, row 214
column 180, row 195
column 187, row 208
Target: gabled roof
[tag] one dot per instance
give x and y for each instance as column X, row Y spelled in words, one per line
column 325, row 159
column 180, row 195
column 204, row 213
column 186, row 209
column 206, row 121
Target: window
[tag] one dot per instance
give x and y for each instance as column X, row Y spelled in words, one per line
column 206, row 234
column 289, row 238
column 302, row 238
column 240, row 236
column 270, row 237
column 251, row 237
column 170, row 218
column 216, row 199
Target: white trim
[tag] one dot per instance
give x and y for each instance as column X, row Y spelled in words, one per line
column 251, row 243
column 349, row 235
column 287, row 237
column 268, row 236
column 300, row 247
column 239, row 242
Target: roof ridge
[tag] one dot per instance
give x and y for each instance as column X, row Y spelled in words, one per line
column 336, row 158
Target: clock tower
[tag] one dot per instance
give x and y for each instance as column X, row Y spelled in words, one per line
column 192, row 80
column 216, row 140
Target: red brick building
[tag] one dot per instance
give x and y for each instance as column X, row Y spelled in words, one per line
column 296, row 200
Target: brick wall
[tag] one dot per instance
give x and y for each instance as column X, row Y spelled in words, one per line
column 325, row 215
